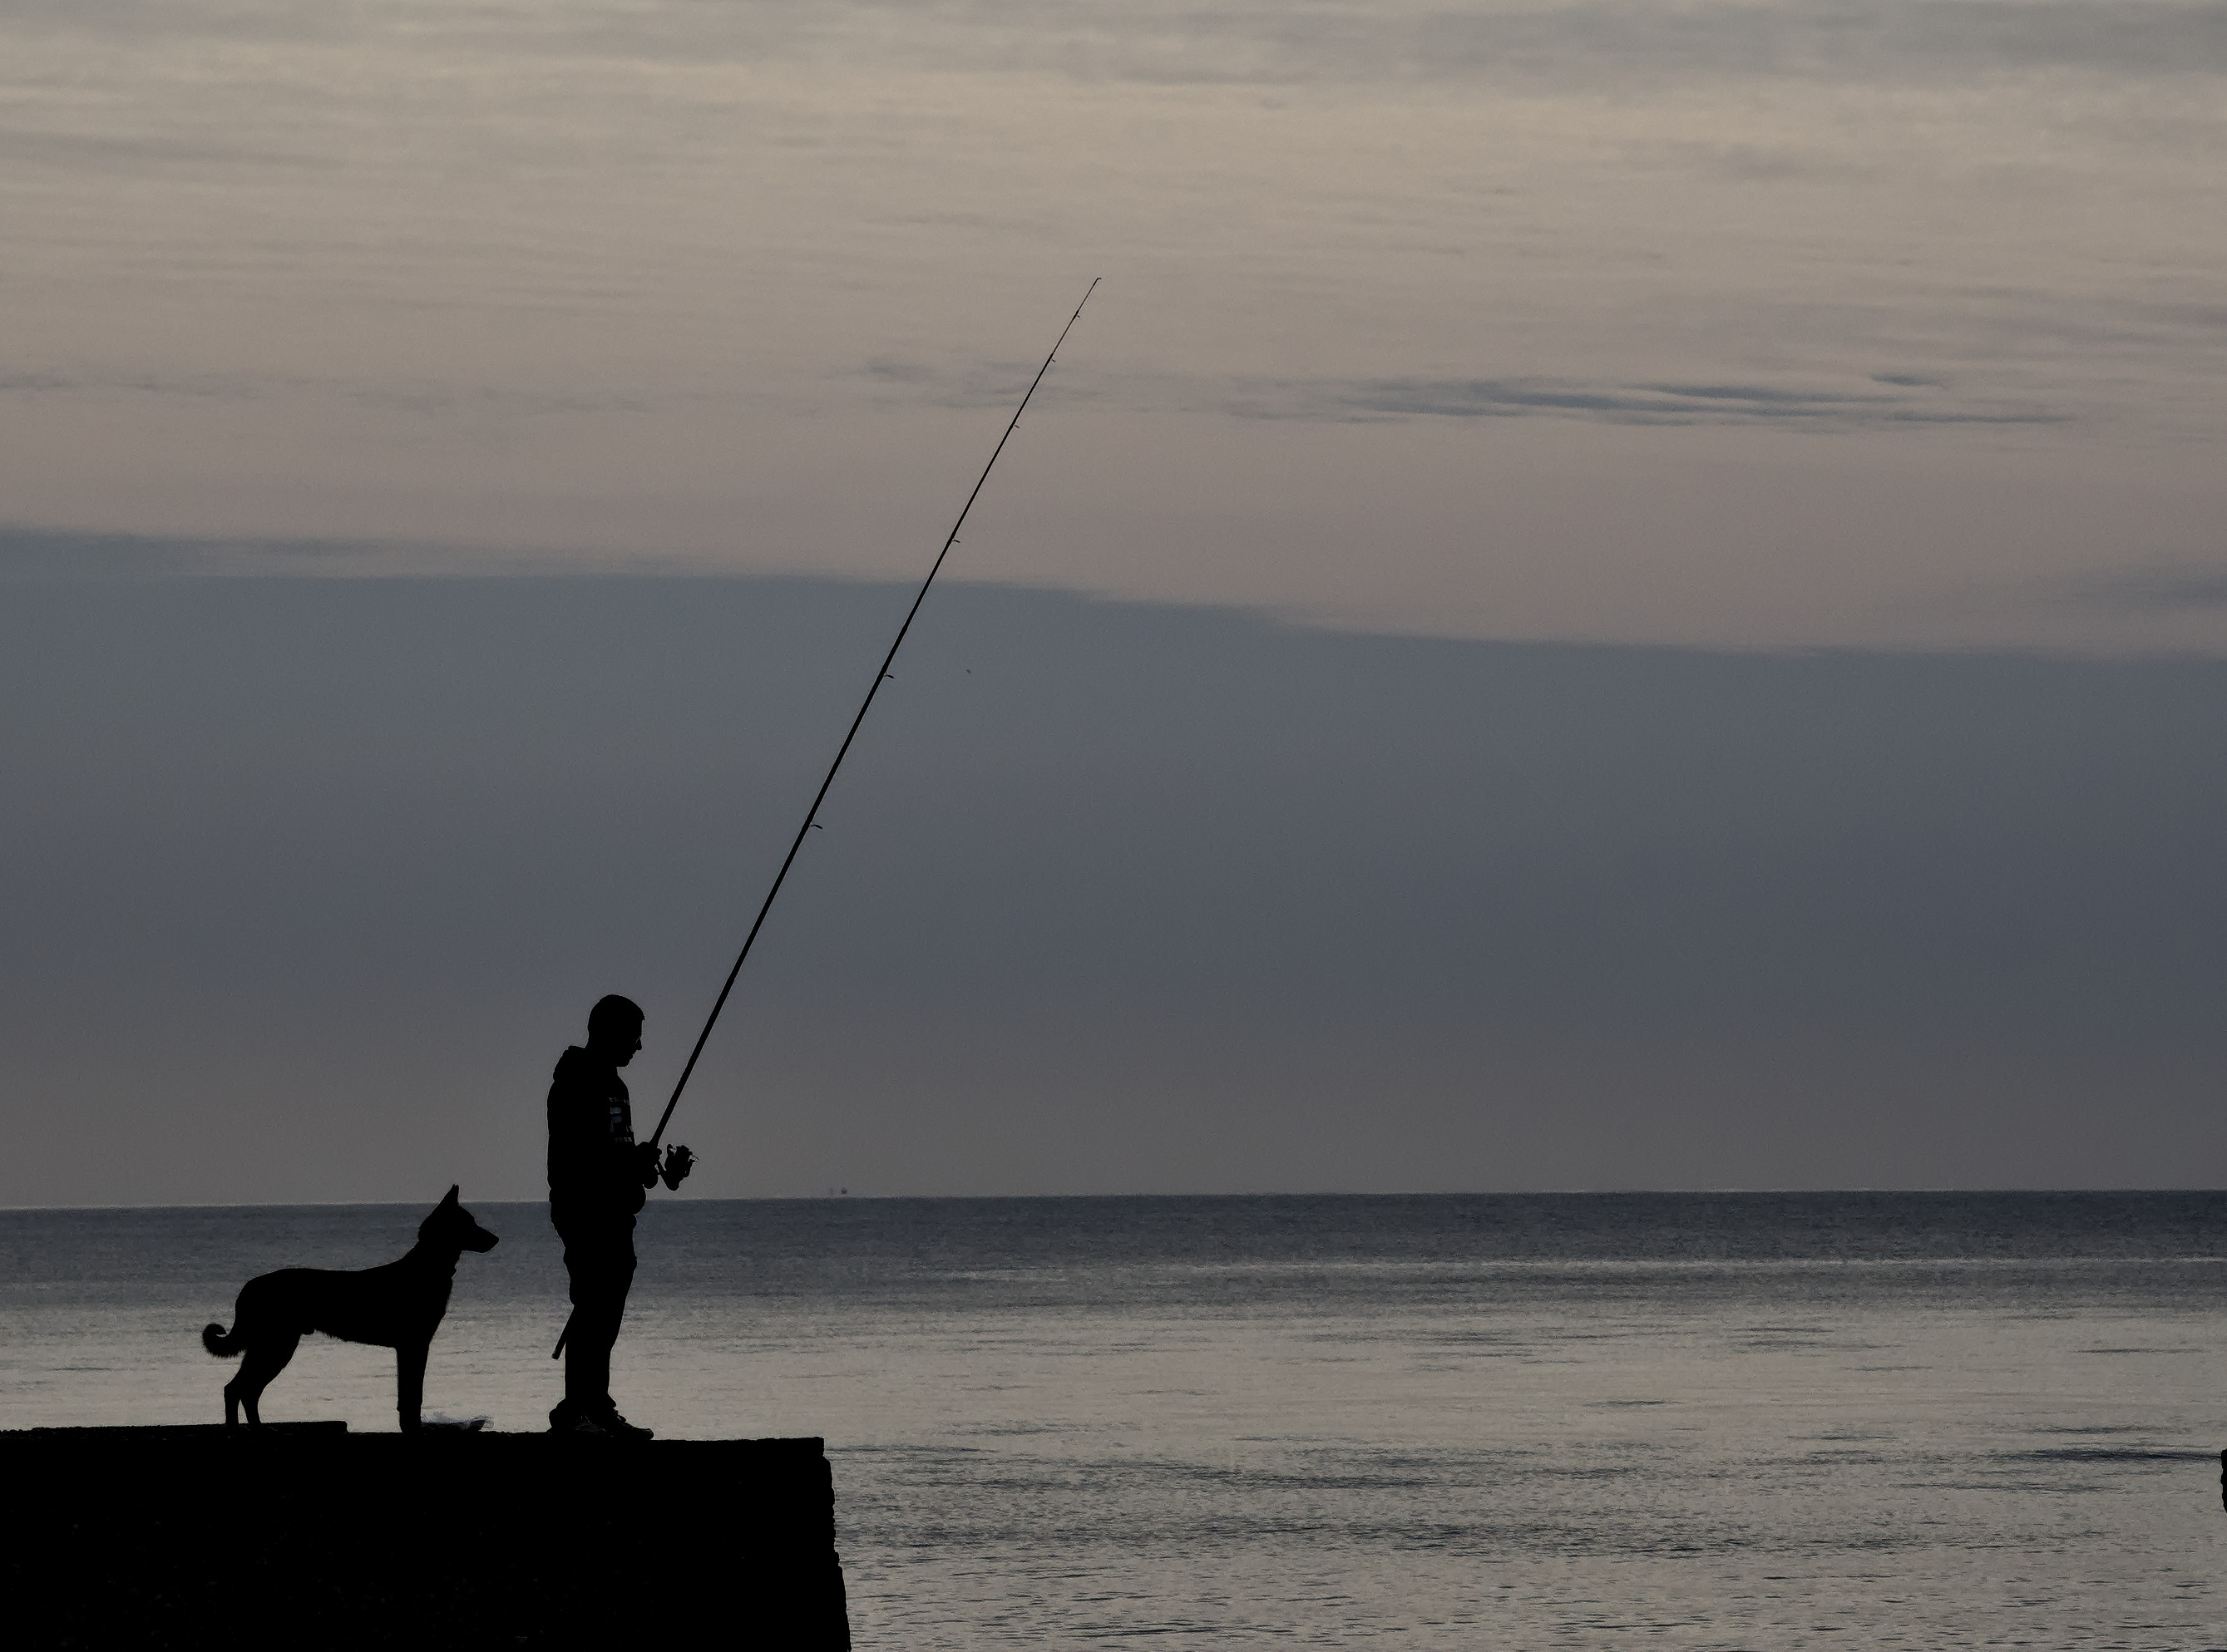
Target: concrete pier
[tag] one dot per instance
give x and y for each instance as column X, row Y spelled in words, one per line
column 306, row 1536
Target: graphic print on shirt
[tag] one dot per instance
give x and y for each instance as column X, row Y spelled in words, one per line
column 621, row 1115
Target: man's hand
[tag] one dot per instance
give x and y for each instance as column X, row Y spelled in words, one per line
column 679, row 1161
column 645, row 1163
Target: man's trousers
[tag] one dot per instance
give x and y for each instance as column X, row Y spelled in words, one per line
column 599, row 1257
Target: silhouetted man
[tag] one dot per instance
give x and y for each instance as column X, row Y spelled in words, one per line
column 597, row 1179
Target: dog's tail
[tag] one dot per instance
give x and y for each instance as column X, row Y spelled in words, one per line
column 215, row 1339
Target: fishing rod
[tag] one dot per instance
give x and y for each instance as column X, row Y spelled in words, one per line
column 881, row 676
column 812, row 815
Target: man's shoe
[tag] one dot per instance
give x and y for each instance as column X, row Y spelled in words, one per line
column 617, row 1427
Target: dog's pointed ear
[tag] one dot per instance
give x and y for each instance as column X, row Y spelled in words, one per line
column 452, row 1199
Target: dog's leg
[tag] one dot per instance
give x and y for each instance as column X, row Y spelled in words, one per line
column 410, row 1374
column 264, row 1361
column 232, row 1404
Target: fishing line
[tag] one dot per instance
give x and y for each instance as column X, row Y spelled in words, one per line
column 881, row 676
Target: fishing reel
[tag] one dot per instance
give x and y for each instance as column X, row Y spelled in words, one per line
column 679, row 1161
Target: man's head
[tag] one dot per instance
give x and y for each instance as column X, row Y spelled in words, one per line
column 615, row 1029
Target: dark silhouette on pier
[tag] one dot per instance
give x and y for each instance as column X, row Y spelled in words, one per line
column 397, row 1306
column 598, row 1178
column 306, row 1537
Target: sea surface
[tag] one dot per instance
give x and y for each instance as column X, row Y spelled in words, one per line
column 1689, row 1420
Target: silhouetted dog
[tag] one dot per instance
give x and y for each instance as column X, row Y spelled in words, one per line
column 398, row 1306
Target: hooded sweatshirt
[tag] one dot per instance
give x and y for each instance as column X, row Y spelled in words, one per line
column 594, row 1172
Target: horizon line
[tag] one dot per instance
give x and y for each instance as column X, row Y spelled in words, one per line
column 889, row 1198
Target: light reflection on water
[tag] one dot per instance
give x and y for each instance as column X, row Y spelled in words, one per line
column 1727, row 1421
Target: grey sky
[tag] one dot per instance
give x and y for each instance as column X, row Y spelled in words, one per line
column 1774, row 322
column 1608, row 593
column 309, row 880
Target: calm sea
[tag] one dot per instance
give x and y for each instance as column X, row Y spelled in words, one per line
column 1748, row 1421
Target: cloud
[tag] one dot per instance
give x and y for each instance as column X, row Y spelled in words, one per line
column 1873, row 401
column 2157, row 590
column 135, row 155
column 1897, row 401
column 409, row 395
column 1900, row 39
column 1478, row 913
column 2203, row 318
column 205, row 386
column 999, row 384
column 45, row 555
column 1163, row 41
column 902, row 373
